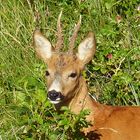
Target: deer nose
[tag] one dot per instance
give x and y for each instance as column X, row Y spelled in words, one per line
column 54, row 95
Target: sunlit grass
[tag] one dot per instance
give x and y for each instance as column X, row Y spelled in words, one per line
column 116, row 79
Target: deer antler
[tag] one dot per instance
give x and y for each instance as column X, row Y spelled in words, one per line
column 74, row 36
column 59, row 33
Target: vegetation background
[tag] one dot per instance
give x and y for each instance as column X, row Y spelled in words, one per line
column 113, row 75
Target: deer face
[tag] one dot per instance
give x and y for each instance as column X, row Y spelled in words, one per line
column 62, row 77
column 64, row 69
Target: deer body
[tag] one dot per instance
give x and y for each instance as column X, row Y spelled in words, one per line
column 67, row 87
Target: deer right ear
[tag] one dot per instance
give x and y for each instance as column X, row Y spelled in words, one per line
column 87, row 48
column 42, row 46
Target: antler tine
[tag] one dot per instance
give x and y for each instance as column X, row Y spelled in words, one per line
column 59, row 33
column 74, row 36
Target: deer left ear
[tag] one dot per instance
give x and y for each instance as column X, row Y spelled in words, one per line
column 42, row 46
column 87, row 48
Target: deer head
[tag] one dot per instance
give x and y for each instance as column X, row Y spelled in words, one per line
column 64, row 68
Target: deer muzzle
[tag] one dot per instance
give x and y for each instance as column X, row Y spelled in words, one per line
column 55, row 97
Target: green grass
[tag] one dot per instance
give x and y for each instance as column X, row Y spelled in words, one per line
column 24, row 111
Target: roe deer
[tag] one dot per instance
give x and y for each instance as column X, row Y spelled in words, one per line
column 67, row 87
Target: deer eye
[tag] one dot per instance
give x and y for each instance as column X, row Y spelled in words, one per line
column 73, row 75
column 47, row 73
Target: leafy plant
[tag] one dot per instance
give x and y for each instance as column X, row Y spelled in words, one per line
column 113, row 75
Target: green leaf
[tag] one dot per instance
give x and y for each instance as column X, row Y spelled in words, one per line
column 108, row 5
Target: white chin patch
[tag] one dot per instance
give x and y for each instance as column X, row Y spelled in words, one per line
column 56, row 101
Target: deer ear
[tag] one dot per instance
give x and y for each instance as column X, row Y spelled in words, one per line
column 42, row 46
column 87, row 48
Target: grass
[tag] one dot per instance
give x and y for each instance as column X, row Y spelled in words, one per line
column 113, row 75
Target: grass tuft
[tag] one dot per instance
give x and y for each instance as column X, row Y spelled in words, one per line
column 113, row 75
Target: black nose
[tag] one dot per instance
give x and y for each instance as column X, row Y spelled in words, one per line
column 53, row 95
